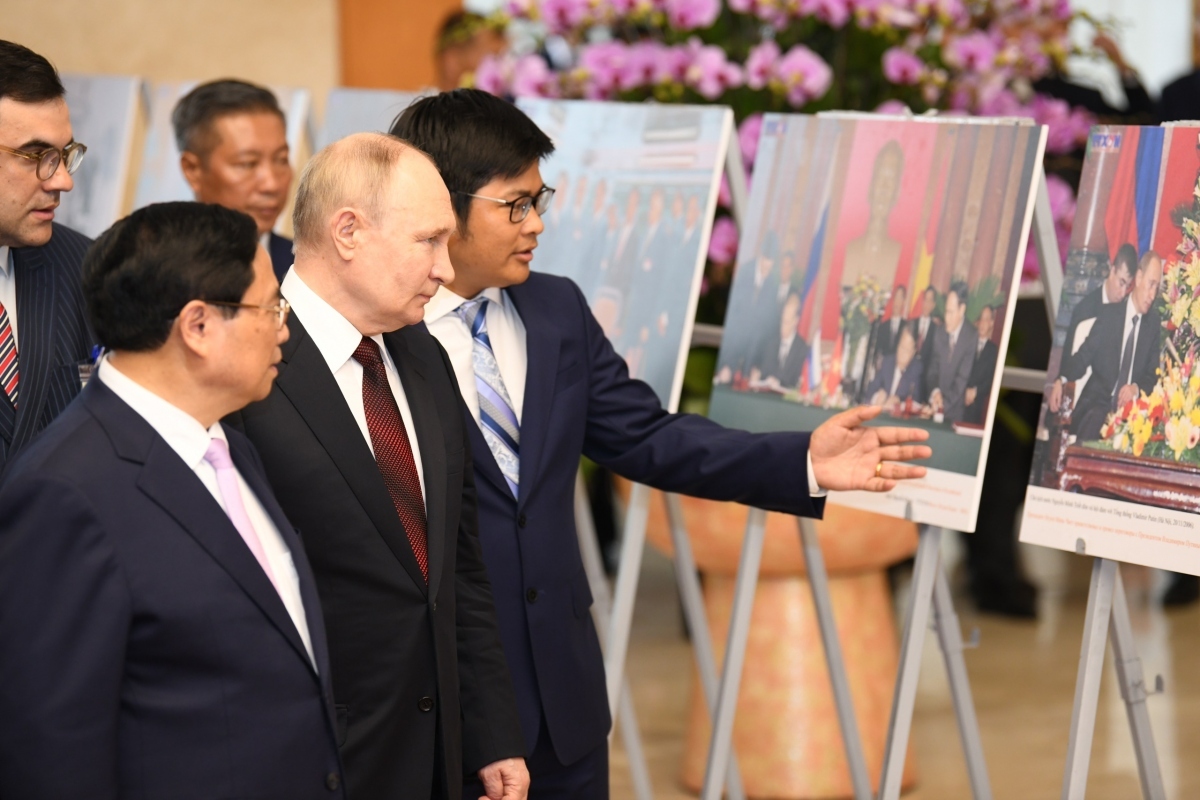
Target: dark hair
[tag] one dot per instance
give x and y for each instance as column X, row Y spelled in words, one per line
column 959, row 290
column 197, row 110
column 929, row 289
column 1126, row 257
column 473, row 137
column 27, row 77
column 143, row 270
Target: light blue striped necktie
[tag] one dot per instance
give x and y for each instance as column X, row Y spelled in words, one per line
column 497, row 419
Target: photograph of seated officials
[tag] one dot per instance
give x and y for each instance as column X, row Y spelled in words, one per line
column 852, row 297
column 1122, row 380
column 626, row 223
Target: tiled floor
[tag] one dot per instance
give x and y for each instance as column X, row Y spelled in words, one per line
column 1022, row 676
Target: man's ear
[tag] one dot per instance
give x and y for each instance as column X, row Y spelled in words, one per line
column 193, row 170
column 346, row 228
column 194, row 326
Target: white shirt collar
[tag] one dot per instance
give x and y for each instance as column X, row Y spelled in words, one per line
column 1130, row 310
column 1104, row 298
column 6, row 260
column 181, row 430
column 265, row 241
column 446, row 302
column 333, row 334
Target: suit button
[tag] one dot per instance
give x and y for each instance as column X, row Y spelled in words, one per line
column 333, row 782
column 435, row 605
column 531, row 595
column 521, row 521
column 425, row 704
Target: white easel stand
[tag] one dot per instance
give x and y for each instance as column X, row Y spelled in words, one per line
column 1106, row 609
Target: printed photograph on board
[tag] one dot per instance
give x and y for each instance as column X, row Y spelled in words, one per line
column 1117, row 460
column 635, row 190
column 880, row 266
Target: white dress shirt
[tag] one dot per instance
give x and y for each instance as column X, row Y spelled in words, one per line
column 337, row 339
column 506, row 331
column 189, row 439
column 8, row 291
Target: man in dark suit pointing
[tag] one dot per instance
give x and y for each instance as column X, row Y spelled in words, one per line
column 542, row 386
column 364, row 444
column 44, row 336
column 160, row 634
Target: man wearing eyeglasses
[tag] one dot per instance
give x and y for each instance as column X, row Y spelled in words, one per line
column 45, row 344
column 160, row 632
column 542, row 386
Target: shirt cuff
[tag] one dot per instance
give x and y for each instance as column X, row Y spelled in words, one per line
column 813, row 489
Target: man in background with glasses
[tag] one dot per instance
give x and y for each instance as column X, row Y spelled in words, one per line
column 160, row 632
column 45, row 344
column 542, row 387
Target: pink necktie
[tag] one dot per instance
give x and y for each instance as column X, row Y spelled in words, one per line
column 227, row 482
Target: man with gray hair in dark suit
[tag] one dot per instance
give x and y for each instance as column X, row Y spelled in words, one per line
column 45, row 343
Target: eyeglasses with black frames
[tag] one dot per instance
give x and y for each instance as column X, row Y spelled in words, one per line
column 49, row 159
column 518, row 209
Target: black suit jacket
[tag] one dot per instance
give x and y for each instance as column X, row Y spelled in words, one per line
column 423, row 693
column 579, row 400
column 280, row 250
column 787, row 371
column 983, row 374
column 1087, row 308
column 950, row 370
column 145, row 653
column 1180, row 98
column 909, row 385
column 1101, row 351
column 53, row 336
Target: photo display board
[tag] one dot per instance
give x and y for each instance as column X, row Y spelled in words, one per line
column 1116, row 469
column 880, row 265
column 104, row 116
column 350, row 111
column 636, row 190
column 161, row 179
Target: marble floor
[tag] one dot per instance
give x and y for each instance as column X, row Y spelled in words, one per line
column 1022, row 675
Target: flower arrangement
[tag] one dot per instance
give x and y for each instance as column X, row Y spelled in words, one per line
column 977, row 57
column 1165, row 422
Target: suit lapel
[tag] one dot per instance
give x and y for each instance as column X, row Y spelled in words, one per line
column 305, row 379
column 542, row 343
column 35, row 346
column 485, row 463
column 249, row 471
column 427, row 421
column 173, row 486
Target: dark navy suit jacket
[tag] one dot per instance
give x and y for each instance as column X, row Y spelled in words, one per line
column 143, row 651
column 52, row 337
column 280, row 250
column 579, row 400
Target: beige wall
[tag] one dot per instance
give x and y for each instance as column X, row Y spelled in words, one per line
column 280, row 42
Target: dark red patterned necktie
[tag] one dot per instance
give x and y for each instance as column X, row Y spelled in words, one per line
column 393, row 453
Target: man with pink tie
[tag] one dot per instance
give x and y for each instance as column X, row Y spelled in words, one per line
column 160, row 632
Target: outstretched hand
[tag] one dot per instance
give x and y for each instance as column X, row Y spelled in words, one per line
column 846, row 454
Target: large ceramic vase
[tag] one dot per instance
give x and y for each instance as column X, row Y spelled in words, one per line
column 786, row 734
